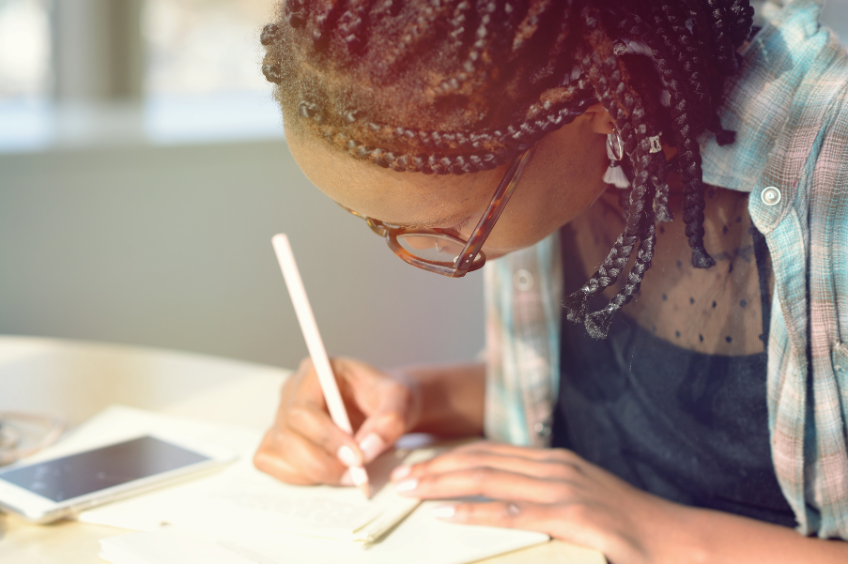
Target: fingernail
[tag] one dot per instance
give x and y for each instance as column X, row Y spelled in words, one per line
column 371, row 446
column 401, row 472
column 358, row 475
column 347, row 457
column 406, row 486
column 346, row 479
column 443, row 511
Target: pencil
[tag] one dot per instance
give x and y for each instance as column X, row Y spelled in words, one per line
column 316, row 348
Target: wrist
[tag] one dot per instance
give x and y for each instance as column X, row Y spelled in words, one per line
column 415, row 399
column 666, row 532
column 445, row 400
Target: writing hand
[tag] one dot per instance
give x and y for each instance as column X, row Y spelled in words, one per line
column 304, row 446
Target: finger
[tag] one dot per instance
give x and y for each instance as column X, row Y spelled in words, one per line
column 385, row 402
column 465, row 459
column 378, row 433
column 546, row 454
column 292, row 459
column 316, row 426
column 486, row 482
column 507, row 514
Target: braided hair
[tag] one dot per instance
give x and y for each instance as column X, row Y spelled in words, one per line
column 461, row 86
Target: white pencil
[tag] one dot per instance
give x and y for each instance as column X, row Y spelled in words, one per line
column 316, row 348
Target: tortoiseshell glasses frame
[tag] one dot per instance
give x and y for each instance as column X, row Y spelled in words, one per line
column 421, row 242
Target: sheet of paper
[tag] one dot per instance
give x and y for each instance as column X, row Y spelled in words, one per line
column 240, row 492
column 259, row 501
column 419, row 539
column 280, row 523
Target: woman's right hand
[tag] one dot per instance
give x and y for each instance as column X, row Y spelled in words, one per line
column 304, row 446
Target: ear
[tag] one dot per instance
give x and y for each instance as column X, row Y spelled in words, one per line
column 599, row 119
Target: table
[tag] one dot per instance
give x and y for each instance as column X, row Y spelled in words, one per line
column 79, row 379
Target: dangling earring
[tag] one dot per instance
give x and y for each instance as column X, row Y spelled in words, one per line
column 615, row 153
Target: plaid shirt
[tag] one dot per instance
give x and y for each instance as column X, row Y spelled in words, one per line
column 789, row 106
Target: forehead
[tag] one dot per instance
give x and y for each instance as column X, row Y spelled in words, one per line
column 402, row 198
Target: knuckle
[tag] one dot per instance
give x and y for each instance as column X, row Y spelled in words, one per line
column 563, row 455
column 393, row 423
column 578, row 513
column 481, row 474
column 305, row 365
column 562, row 471
column 299, row 416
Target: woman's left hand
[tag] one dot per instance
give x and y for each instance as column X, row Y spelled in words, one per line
column 549, row 490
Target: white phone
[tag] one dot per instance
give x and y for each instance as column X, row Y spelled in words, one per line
column 45, row 491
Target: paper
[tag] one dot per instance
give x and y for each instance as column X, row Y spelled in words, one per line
column 241, row 492
column 242, row 515
column 424, row 542
column 262, row 503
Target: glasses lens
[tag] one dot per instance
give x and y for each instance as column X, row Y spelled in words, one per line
column 433, row 247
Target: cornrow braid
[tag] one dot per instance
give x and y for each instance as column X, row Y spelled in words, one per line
column 530, row 24
column 413, row 34
column 457, row 25
column 352, row 25
column 323, row 22
column 522, row 137
column 462, row 86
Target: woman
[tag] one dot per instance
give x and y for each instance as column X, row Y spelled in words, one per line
column 699, row 423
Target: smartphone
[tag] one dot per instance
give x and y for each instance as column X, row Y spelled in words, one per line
column 45, row 491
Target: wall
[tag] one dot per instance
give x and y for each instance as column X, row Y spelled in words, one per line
column 169, row 246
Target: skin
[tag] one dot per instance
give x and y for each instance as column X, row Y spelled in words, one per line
column 549, row 490
column 560, row 182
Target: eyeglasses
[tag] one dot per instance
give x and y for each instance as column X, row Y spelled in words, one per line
column 441, row 250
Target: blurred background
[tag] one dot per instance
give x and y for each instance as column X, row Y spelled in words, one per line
column 143, row 171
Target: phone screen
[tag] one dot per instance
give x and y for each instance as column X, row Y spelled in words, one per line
column 87, row 472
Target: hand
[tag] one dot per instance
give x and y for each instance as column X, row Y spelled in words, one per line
column 549, row 490
column 305, row 447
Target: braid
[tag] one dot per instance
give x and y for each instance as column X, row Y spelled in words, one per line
column 674, row 34
column 598, row 323
column 690, row 152
column 323, row 22
column 352, row 25
column 462, row 86
column 743, row 19
column 457, row 25
column 608, row 82
column 295, row 13
column 722, row 38
column 530, row 24
column 418, row 30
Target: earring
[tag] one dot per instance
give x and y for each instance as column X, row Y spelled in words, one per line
column 615, row 153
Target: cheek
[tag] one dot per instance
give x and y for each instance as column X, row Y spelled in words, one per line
column 517, row 231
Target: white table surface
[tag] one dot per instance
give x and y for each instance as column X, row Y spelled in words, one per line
column 78, row 379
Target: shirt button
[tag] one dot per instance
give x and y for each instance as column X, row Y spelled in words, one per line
column 523, row 280
column 770, row 196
